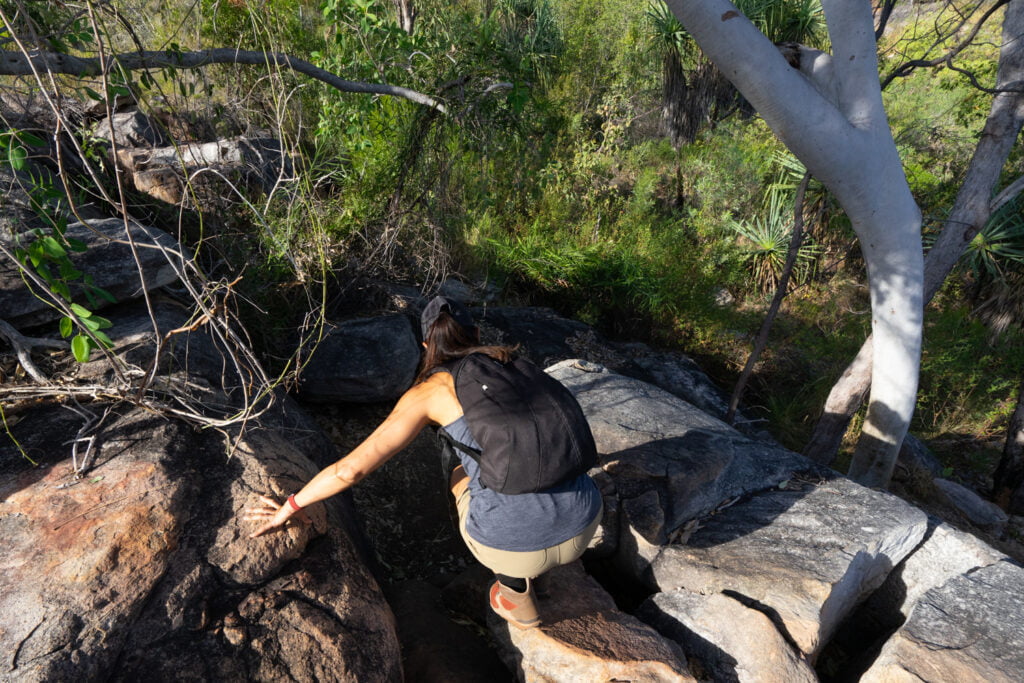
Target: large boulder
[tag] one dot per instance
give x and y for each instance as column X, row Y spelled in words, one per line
column 968, row 629
column 142, row 567
column 806, row 555
column 107, row 259
column 670, row 462
column 362, row 361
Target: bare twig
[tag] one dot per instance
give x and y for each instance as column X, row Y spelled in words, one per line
column 23, row 347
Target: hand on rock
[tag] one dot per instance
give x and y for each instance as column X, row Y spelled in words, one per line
column 274, row 515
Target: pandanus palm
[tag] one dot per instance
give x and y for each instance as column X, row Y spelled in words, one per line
column 695, row 94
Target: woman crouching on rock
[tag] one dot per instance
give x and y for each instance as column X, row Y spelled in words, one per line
column 516, row 522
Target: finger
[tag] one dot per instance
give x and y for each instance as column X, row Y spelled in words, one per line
column 270, row 501
column 262, row 530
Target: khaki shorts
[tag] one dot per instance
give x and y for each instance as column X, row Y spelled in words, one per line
column 529, row 564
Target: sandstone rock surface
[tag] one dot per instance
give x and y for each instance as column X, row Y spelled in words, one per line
column 143, row 569
column 670, row 461
column 583, row 637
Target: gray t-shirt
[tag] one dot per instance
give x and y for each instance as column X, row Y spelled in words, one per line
column 527, row 521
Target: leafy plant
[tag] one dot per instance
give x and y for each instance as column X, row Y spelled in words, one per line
column 766, row 242
column 47, row 251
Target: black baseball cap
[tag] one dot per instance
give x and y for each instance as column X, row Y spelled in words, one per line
column 442, row 304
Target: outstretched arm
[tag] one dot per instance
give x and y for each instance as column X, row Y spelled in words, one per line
column 410, row 415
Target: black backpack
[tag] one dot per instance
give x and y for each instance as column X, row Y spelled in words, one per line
column 531, row 431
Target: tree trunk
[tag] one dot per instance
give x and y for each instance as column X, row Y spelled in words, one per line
column 674, row 97
column 406, row 13
column 970, row 212
column 845, row 141
column 1008, row 486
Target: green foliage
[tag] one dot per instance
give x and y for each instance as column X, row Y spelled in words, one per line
column 968, row 379
column 47, row 250
column 767, row 238
column 999, row 245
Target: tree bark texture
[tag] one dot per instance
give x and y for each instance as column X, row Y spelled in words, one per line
column 845, row 141
column 406, row 13
column 1008, row 481
column 21, row 64
column 971, row 210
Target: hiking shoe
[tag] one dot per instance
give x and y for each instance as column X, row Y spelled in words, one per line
column 517, row 609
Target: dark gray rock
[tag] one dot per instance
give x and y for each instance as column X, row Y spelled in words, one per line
column 916, row 460
column 130, row 129
column 108, row 259
column 968, row 629
column 983, row 514
column 945, row 553
column 362, row 361
column 542, row 335
column 670, row 461
column 806, row 555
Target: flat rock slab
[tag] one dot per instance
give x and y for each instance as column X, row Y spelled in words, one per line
column 730, row 641
column 108, row 259
column 805, row 557
column 362, row 361
column 969, row 629
column 670, row 461
column 583, row 637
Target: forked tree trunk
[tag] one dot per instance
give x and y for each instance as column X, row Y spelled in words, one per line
column 970, row 212
column 832, row 118
column 1008, row 488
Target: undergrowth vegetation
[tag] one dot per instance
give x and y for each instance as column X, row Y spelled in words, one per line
column 552, row 175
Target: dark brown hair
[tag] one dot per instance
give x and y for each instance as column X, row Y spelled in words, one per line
column 447, row 340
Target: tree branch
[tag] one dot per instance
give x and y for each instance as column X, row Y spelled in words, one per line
column 22, row 64
column 23, row 347
column 906, row 68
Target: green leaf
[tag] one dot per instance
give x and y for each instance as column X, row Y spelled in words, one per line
column 93, row 95
column 91, row 323
column 76, row 244
column 104, row 339
column 104, row 294
column 80, row 347
column 81, row 311
column 30, row 139
column 53, row 248
column 16, row 157
column 67, row 326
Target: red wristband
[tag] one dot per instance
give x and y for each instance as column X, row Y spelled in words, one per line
column 291, row 501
